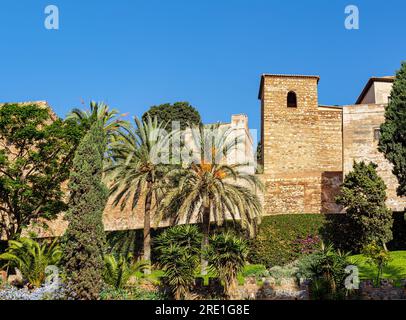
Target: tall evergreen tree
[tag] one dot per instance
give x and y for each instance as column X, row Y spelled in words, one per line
column 393, row 131
column 363, row 195
column 85, row 237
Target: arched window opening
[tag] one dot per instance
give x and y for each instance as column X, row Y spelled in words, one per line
column 292, row 100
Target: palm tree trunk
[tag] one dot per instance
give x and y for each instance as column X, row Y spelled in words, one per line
column 147, row 228
column 205, row 239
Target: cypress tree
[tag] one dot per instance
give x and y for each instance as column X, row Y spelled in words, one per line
column 363, row 195
column 393, row 131
column 85, row 237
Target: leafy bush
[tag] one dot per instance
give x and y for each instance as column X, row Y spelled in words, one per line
column 286, row 272
column 132, row 293
column 32, row 258
column 255, row 270
column 184, row 235
column 118, row 271
column 376, row 256
column 326, row 269
column 278, row 237
column 284, row 238
column 307, row 245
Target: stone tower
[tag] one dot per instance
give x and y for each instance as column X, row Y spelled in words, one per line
column 301, row 146
column 289, row 131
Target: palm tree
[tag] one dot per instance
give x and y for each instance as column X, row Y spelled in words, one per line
column 99, row 111
column 210, row 189
column 135, row 171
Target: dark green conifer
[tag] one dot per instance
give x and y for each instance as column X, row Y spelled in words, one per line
column 85, row 237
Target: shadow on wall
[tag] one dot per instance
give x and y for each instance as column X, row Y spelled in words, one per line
column 331, row 182
column 399, row 232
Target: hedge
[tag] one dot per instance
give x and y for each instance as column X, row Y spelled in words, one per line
column 275, row 243
column 281, row 238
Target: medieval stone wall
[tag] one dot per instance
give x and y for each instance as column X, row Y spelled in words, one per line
column 302, row 148
column 360, row 141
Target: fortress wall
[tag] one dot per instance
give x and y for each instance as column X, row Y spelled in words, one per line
column 290, row 133
column 361, row 144
column 313, row 192
column 302, row 148
column 330, row 157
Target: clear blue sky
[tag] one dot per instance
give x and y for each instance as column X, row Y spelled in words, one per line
column 133, row 54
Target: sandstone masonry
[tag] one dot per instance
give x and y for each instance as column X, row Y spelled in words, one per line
column 307, row 148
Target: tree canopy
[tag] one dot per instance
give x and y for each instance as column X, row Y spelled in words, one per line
column 179, row 111
column 363, row 195
column 36, row 153
column 393, row 131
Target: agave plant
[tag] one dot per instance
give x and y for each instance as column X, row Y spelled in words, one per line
column 32, row 258
column 227, row 255
column 119, row 270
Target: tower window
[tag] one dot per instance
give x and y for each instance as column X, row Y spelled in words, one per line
column 292, row 100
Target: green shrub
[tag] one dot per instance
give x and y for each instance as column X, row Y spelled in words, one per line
column 32, row 258
column 227, row 255
column 285, row 272
column 363, row 195
column 178, row 255
column 326, row 270
column 133, row 293
column 255, row 270
column 119, row 270
column 84, row 239
column 276, row 242
column 378, row 257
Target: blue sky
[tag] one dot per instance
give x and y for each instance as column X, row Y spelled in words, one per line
column 133, row 54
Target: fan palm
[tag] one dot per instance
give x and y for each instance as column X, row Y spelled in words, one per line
column 209, row 189
column 135, row 171
column 32, row 258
